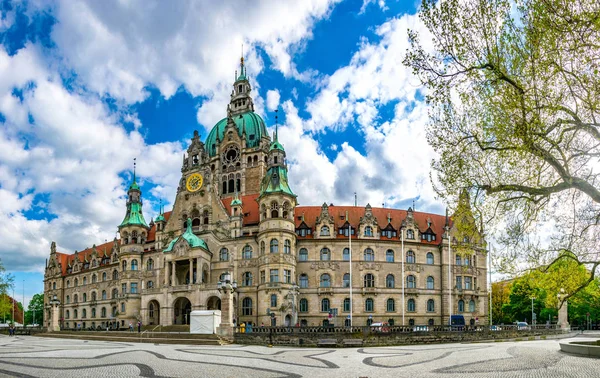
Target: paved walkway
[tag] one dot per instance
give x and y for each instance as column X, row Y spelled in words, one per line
column 45, row 357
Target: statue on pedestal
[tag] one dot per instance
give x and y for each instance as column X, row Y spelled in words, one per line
column 563, row 320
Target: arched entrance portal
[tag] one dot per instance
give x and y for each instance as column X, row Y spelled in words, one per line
column 153, row 313
column 181, row 311
column 288, row 320
column 213, row 303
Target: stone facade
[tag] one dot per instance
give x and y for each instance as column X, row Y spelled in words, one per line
column 235, row 215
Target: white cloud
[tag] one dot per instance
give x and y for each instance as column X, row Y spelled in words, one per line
column 121, row 47
column 72, row 154
column 273, row 98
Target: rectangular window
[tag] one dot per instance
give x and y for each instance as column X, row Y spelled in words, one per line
column 287, row 276
column 459, row 282
column 262, row 276
column 273, row 300
column 274, row 275
column 467, row 283
column 124, row 288
column 133, row 287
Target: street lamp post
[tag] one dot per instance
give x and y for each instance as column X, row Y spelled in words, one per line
column 54, row 303
column 226, row 288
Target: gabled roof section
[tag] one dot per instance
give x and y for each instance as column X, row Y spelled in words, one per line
column 249, row 208
column 189, row 236
column 65, row 260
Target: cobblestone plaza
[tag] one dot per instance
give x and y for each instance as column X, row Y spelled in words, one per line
column 46, row 357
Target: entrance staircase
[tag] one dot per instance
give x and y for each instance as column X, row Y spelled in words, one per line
column 164, row 335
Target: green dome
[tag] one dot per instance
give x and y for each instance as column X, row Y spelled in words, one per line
column 250, row 121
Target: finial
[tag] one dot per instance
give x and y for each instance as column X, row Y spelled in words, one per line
column 242, row 58
column 413, row 205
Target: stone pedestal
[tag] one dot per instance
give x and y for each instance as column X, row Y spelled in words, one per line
column 54, row 325
column 563, row 320
column 226, row 327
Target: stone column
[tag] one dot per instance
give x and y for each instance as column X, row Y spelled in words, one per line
column 167, row 265
column 173, row 271
column 191, row 271
column 198, row 270
column 54, row 325
column 226, row 327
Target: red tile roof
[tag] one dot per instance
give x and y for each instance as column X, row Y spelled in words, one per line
column 249, row 208
column 310, row 213
column 152, row 232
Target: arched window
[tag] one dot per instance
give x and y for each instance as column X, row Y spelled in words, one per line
column 389, row 256
column 150, row 264
column 53, row 285
column 85, row 297
column 430, row 283
column 103, row 312
column 75, row 314
column 93, row 295
column 247, row 279
column 410, row 257
column 94, row 279
column 68, row 299
column 429, row 258
column 369, row 255
column 325, row 280
column 430, row 305
column 273, row 300
column 471, row 306
column 347, row 280
column 134, row 264
column 84, row 281
column 411, row 282
column 103, row 276
column 303, row 305
column 274, row 210
column 247, row 306
column 389, row 281
column 369, row 305
column 287, row 247
column 76, row 282
column 303, row 281
column 274, row 246
column 390, row 305
column 247, row 252
column 411, row 306
column 325, row 231
column 325, row 305
column 115, row 293
column 458, row 260
column 84, row 313
column 369, row 280
column 368, row 231
column 410, row 234
column 115, row 275
column 68, row 283
column 461, row 306
column 75, row 298
column 67, row 314
column 346, row 254
column 93, row 313
column 346, row 304
column 325, row 254
column 262, row 248
column 224, row 254
column 303, row 255
column 124, row 265
column 103, row 294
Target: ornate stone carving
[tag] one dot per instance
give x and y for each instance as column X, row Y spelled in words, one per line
column 329, row 265
column 369, row 266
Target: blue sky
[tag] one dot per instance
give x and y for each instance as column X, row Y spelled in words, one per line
column 86, row 86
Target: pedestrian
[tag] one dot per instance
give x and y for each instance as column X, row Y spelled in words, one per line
column 130, row 327
column 139, row 326
column 11, row 330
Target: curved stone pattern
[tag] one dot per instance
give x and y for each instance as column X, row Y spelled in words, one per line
column 46, row 357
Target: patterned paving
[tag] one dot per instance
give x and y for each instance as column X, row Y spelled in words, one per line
column 44, row 357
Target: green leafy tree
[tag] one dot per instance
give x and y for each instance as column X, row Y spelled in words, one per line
column 36, row 306
column 6, row 283
column 514, row 93
column 500, row 299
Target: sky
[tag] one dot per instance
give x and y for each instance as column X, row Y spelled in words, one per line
column 87, row 86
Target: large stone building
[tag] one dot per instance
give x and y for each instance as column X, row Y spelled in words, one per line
column 235, row 215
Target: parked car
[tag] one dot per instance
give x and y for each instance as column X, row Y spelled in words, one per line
column 457, row 322
column 495, row 328
column 523, row 326
column 380, row 327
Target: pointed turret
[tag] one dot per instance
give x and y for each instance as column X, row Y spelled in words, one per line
column 134, row 228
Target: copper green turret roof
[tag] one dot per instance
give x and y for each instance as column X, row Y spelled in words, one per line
column 161, row 214
column 236, row 201
column 134, row 216
column 276, row 181
column 192, row 240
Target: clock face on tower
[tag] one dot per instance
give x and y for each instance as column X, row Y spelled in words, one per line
column 194, row 182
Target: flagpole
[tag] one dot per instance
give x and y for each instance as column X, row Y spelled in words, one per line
column 449, row 277
column 403, row 278
column 490, row 285
column 350, row 248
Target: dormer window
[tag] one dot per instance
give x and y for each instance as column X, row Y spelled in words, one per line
column 368, row 231
column 324, row 231
column 410, row 234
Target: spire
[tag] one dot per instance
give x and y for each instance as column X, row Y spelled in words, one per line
column 134, row 216
column 134, row 185
column 275, row 145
